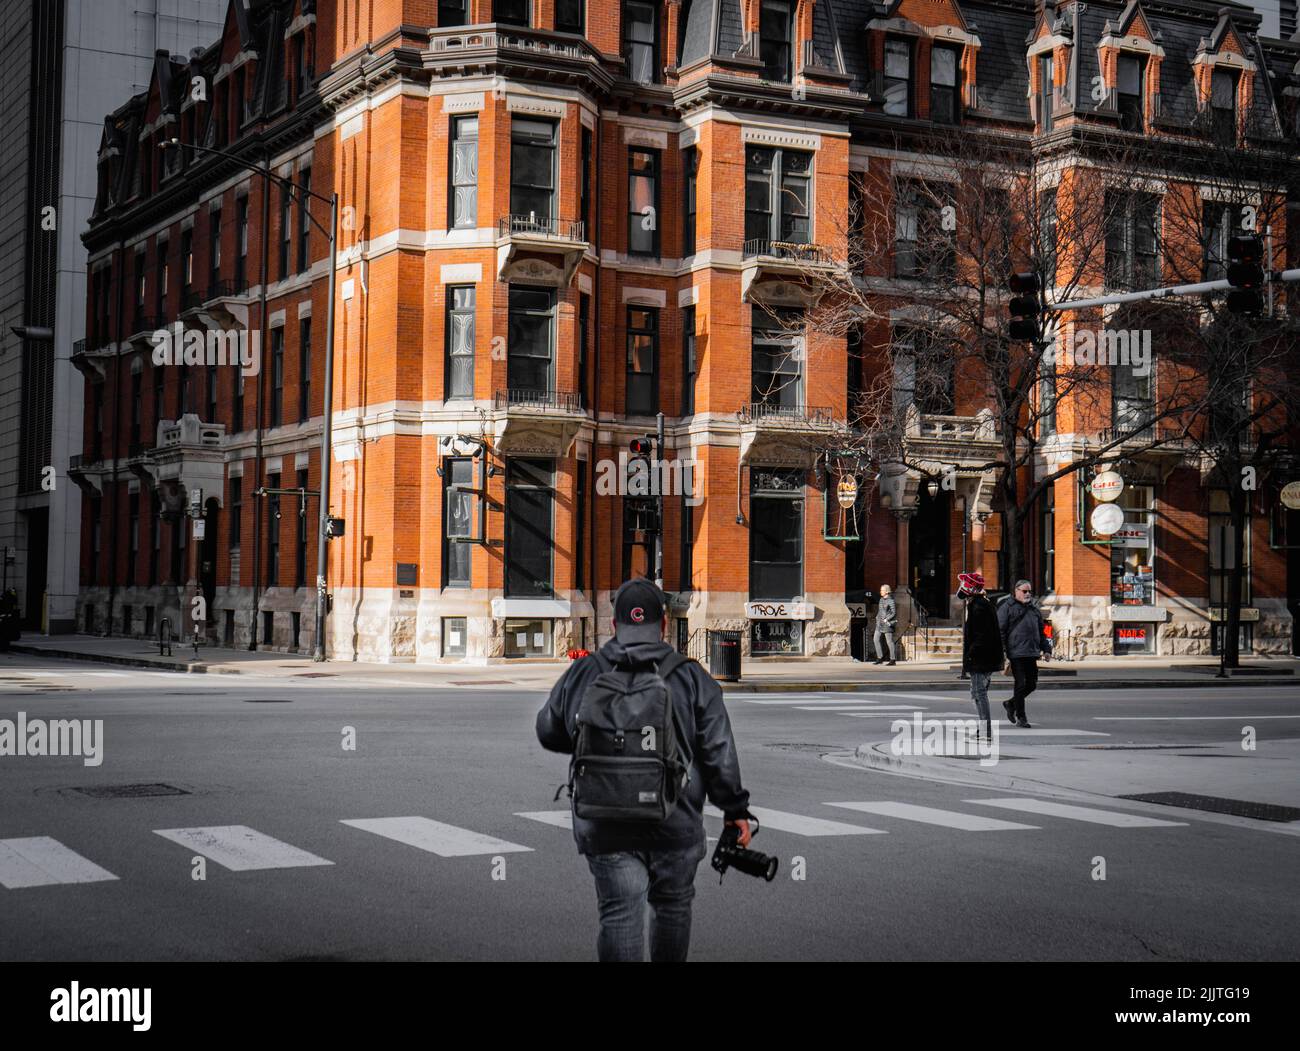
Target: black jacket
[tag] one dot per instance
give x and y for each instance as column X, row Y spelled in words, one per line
column 981, row 638
column 702, row 717
column 1021, row 625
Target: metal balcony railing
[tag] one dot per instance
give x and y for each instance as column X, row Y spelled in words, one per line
column 78, row 347
column 192, row 300
column 534, row 225
column 764, row 412
column 523, row 398
column 792, row 250
column 227, row 289
column 76, row 461
column 148, row 323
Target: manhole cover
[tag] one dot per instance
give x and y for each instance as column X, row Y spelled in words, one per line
column 268, row 700
column 799, row 747
column 317, row 675
column 1218, row 805
column 130, row 791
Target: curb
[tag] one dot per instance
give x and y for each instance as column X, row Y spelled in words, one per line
column 194, row 668
column 866, row 756
column 1256, row 678
column 957, row 685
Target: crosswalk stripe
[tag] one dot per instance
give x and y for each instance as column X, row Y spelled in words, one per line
column 39, row 861
column 558, row 818
column 1113, row 818
column 447, row 841
column 1052, row 732
column 861, row 708
column 800, row 825
column 240, row 848
column 933, row 816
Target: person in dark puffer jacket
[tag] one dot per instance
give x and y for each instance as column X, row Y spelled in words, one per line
column 1025, row 641
column 981, row 644
column 638, row 862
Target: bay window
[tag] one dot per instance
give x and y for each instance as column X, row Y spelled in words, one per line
column 778, row 195
column 531, row 341
column 532, row 172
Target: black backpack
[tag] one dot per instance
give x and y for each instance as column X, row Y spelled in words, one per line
column 630, row 759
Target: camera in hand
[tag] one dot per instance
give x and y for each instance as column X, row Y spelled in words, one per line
column 730, row 854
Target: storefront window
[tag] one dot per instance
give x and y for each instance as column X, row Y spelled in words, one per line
column 770, row 637
column 528, row 638
column 1132, row 554
column 1134, row 638
column 454, row 636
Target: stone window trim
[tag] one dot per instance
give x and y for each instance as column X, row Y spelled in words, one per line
column 470, row 102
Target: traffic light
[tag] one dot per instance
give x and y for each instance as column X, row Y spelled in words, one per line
column 641, row 447
column 1026, row 306
column 1245, row 274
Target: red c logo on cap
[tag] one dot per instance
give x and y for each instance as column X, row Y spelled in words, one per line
column 637, row 614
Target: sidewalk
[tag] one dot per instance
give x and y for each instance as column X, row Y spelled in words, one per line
column 1115, row 769
column 839, row 675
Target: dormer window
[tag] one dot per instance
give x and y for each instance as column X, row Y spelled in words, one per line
column 898, row 77
column 239, row 111
column 1046, row 71
column 944, row 108
column 1223, row 106
column 1129, row 95
column 640, row 40
column 776, row 40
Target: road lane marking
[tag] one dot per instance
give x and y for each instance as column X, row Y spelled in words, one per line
column 558, row 818
column 852, row 698
column 1113, row 818
column 933, row 816
column 800, row 825
column 39, row 861
column 1045, row 732
column 447, row 841
column 240, row 848
column 1182, row 718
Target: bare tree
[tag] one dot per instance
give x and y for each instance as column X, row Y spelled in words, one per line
column 1241, row 423
column 923, row 297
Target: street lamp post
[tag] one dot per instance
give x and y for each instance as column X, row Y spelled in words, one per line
column 327, row 408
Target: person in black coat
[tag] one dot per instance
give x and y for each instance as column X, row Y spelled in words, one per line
column 981, row 643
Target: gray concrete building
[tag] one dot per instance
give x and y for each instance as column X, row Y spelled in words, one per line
column 61, row 60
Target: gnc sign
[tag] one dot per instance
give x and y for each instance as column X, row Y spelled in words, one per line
column 1107, row 486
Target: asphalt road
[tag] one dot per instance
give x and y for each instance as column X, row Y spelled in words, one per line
column 268, row 755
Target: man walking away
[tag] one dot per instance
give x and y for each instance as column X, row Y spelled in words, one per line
column 1024, row 641
column 981, row 644
column 653, row 858
column 886, row 622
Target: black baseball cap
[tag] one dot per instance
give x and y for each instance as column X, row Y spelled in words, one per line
column 639, row 611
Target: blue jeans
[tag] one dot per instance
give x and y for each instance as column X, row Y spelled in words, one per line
column 979, row 692
column 625, row 881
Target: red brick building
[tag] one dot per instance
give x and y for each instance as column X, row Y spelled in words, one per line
column 559, row 219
